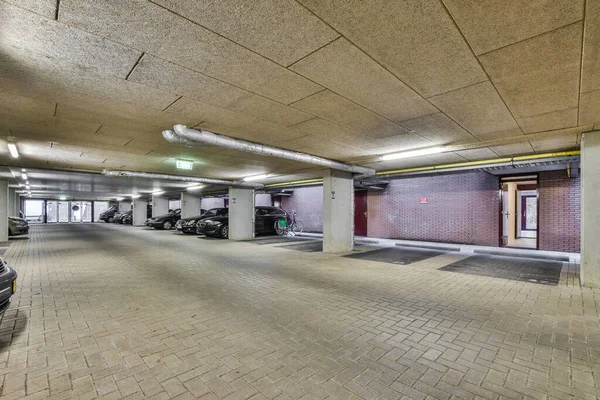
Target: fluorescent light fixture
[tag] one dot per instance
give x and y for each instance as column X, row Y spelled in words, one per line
column 136, row 196
column 256, row 177
column 13, row 150
column 157, row 192
column 119, row 199
column 63, row 198
column 24, row 175
column 413, row 153
column 27, row 182
column 195, row 187
column 23, row 170
column 27, row 187
column 182, row 164
column 29, row 192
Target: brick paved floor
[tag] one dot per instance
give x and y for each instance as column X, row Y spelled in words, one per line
column 110, row 311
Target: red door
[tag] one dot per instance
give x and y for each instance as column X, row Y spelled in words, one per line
column 360, row 213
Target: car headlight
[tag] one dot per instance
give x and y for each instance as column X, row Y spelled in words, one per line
column 191, row 222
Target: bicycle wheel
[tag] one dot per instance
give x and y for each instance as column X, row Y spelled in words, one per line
column 297, row 227
column 279, row 229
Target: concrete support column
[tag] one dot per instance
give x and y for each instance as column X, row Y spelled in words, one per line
column 124, row 206
column 13, row 207
column 338, row 212
column 241, row 213
column 590, row 212
column 3, row 211
column 140, row 212
column 160, row 206
column 190, row 205
column 212, row 202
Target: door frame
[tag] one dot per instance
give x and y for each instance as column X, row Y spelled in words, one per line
column 500, row 194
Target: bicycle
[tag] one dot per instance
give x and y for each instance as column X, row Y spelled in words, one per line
column 295, row 226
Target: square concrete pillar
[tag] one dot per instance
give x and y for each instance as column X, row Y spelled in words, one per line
column 212, row 202
column 160, row 206
column 13, row 199
column 338, row 212
column 590, row 211
column 190, row 205
column 140, row 212
column 241, row 213
column 3, row 211
column 124, row 206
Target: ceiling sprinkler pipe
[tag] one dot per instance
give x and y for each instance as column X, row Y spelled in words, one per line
column 180, row 178
column 184, row 135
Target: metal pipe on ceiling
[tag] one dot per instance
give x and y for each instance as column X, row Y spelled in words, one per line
column 181, row 134
column 182, row 178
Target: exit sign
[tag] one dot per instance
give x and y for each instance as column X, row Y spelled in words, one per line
column 423, row 200
column 184, row 164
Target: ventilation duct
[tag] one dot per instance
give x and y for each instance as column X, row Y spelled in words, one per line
column 181, row 134
column 193, row 179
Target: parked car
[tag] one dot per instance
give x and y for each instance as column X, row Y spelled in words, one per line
column 108, row 215
column 126, row 217
column 166, row 221
column 8, row 284
column 17, row 226
column 188, row 225
column 264, row 222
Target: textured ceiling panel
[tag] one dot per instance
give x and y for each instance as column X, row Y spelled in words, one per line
column 439, row 129
column 415, row 39
column 269, row 110
column 501, row 134
column 589, row 112
column 493, row 24
column 345, row 69
column 25, row 66
column 553, row 144
column 333, row 107
column 549, row 121
column 538, row 75
column 477, row 108
column 591, row 48
column 47, row 8
column 483, row 153
column 206, row 112
column 154, row 72
column 512, row 149
column 155, row 30
column 27, row 32
column 254, row 24
column 12, row 102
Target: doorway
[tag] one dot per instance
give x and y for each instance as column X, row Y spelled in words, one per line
column 519, row 217
column 360, row 213
column 68, row 211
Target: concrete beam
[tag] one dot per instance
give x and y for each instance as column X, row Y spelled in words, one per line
column 590, row 212
column 338, row 212
column 241, row 213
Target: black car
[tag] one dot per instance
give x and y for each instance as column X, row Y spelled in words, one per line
column 8, row 284
column 108, row 215
column 188, row 225
column 264, row 222
column 17, row 226
column 166, row 221
column 126, row 218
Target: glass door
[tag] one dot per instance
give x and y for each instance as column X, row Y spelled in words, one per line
column 63, row 211
column 86, row 211
column 52, row 211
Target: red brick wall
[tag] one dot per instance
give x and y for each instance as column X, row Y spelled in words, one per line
column 308, row 202
column 462, row 208
column 560, row 212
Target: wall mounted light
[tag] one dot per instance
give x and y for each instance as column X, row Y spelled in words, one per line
column 27, row 187
column 63, row 198
column 182, row 164
column 413, row 153
column 157, row 192
column 195, row 187
column 255, row 177
column 13, row 150
column 136, row 196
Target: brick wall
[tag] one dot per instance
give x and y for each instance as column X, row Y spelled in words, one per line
column 560, row 212
column 462, row 208
column 308, row 202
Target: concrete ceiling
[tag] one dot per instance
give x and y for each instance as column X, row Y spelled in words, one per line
column 91, row 84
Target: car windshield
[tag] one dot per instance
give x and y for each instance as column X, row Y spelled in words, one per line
column 216, row 212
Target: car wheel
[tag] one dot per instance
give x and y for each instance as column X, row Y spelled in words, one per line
column 224, row 232
column 167, row 225
column 110, row 219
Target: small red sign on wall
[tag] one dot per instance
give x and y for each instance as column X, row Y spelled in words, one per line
column 423, row 200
